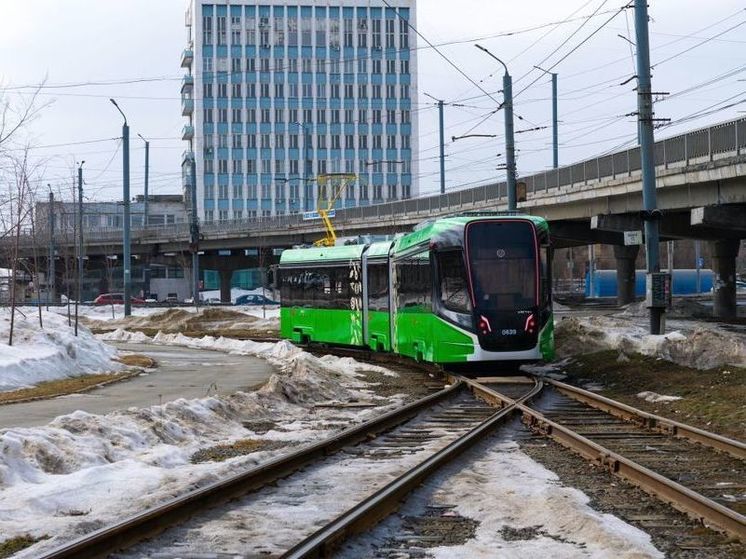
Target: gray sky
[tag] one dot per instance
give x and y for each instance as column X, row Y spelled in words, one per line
column 107, row 42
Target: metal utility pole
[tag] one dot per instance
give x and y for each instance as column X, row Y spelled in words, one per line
column 509, row 132
column 146, row 263
column 555, row 132
column 649, row 198
column 194, row 234
column 51, row 283
column 80, row 243
column 442, row 144
column 147, row 168
column 127, row 264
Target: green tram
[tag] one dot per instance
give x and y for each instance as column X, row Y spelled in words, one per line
column 458, row 290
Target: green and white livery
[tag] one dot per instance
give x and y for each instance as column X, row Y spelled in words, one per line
column 457, row 290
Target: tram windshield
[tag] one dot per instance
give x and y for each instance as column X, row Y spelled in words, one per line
column 502, row 260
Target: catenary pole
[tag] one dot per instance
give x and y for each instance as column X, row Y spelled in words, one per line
column 51, row 283
column 645, row 124
column 442, row 149
column 507, row 107
column 127, row 264
column 555, row 131
column 145, row 220
column 194, row 233
column 80, row 243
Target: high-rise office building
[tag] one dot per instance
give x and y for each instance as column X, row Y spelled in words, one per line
column 279, row 93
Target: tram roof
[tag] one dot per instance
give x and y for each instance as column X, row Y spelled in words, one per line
column 326, row 254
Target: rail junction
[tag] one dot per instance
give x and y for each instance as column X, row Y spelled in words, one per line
column 680, row 465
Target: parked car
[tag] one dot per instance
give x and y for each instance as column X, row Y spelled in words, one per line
column 116, row 299
column 254, row 300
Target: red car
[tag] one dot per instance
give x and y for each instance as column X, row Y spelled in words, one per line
column 116, row 299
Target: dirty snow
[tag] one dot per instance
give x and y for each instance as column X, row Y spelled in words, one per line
column 699, row 345
column 655, row 398
column 504, row 488
column 48, row 353
column 83, row 471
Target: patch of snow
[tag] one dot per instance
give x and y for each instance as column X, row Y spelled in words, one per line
column 655, row 398
column 121, row 335
column 503, row 488
column 702, row 347
column 49, row 353
column 83, row 471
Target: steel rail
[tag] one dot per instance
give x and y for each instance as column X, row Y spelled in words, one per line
column 651, row 421
column 376, row 507
column 682, row 498
column 153, row 521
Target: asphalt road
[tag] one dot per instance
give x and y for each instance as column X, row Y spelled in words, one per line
column 181, row 373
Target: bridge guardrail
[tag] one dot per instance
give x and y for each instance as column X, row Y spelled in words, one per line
column 703, row 144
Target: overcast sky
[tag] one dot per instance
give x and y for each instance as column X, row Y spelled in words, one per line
column 83, row 41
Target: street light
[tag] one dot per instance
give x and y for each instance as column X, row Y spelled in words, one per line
column 126, row 199
column 509, row 138
column 147, row 169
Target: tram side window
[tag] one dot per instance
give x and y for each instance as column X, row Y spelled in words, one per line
column 378, row 287
column 414, row 281
column 321, row 288
column 546, row 275
column 454, row 292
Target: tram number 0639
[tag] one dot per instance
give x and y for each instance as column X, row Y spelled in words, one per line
column 509, row 332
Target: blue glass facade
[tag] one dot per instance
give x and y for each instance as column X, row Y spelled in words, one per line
column 286, row 93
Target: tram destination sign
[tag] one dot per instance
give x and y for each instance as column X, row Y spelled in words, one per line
column 310, row 216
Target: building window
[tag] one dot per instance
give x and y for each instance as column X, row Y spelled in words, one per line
column 266, row 166
column 235, row 65
column 349, row 91
column 349, row 66
column 279, row 32
column 406, row 117
column 307, row 116
column 209, row 192
column 223, row 166
column 305, row 31
column 237, row 191
column 293, row 141
column 376, row 37
column 207, row 90
column 390, row 142
column 223, row 90
column 306, row 65
column 390, row 25
column 349, row 141
column 362, row 116
column 336, row 141
column 208, row 116
column 292, row 65
column 362, row 66
column 279, row 115
column 376, row 66
column 251, row 116
column 391, row 66
column 321, row 116
column 223, row 215
column 377, row 143
column 236, row 115
column 293, row 87
column 250, row 31
column 251, row 91
column 279, row 65
column 221, row 30
column 292, row 32
column 376, row 116
column 266, row 141
column 236, row 90
column 335, row 116
column 237, row 167
column 264, row 32
column 265, row 115
column 237, row 214
column 362, row 141
column 403, row 34
column 293, row 166
column 264, row 90
column 321, row 141
column 392, row 192
column 405, row 66
column 250, row 167
column 391, row 91
column 209, row 166
column 362, row 33
column 405, row 142
column 279, row 141
column 376, row 92
column 208, row 215
column 207, row 64
column 235, row 30
column 321, row 90
column 237, row 141
column 335, row 91
column 207, row 30
column 264, row 65
column 320, row 32
column 404, row 92
column 347, row 26
column 362, row 91
column 349, row 116
column 251, row 65
column 307, row 90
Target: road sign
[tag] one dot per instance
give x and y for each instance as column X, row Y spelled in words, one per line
column 310, row 216
column 632, row 238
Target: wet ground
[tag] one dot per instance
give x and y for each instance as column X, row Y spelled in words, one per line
column 181, row 373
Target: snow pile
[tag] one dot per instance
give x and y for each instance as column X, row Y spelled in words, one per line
column 702, row 348
column 83, row 471
column 655, row 398
column 49, row 353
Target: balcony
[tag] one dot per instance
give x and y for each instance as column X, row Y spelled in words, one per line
column 187, row 156
column 187, row 133
column 187, row 57
column 187, row 106
column 187, row 84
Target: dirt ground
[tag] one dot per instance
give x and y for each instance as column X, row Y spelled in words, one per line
column 713, row 399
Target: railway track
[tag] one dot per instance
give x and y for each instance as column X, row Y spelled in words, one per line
column 432, row 430
column 697, row 472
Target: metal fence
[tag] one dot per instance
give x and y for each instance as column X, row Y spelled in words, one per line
column 705, row 144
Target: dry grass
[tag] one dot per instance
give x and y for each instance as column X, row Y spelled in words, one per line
column 713, row 400
column 222, row 452
column 60, row 387
column 137, row 360
column 14, row 545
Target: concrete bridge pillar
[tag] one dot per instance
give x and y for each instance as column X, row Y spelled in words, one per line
column 626, row 257
column 225, row 285
column 724, row 255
